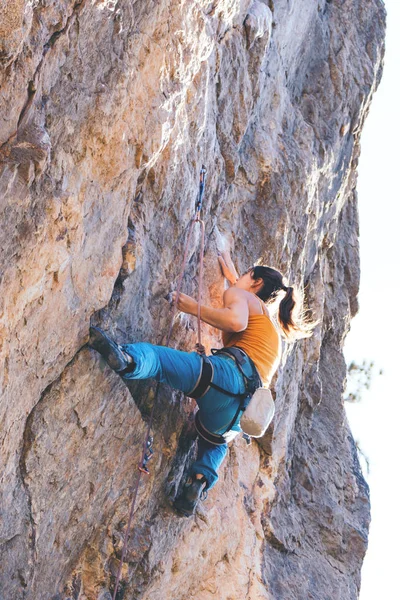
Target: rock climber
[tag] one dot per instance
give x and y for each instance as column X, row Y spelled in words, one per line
column 258, row 308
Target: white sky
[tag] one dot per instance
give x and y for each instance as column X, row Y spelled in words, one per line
column 375, row 332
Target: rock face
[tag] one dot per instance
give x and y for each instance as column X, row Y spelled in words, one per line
column 108, row 108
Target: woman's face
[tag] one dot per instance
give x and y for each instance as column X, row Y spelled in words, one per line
column 246, row 282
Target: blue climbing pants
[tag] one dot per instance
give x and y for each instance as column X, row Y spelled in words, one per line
column 181, row 371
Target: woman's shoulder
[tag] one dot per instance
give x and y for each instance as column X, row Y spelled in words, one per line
column 234, row 294
column 234, row 291
column 256, row 306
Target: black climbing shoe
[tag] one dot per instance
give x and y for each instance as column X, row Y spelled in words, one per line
column 187, row 500
column 113, row 354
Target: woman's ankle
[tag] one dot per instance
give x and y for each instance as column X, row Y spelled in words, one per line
column 200, row 476
column 128, row 357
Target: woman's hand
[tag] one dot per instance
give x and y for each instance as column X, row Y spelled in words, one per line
column 185, row 303
column 227, row 267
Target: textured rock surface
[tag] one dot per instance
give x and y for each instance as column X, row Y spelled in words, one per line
column 107, row 110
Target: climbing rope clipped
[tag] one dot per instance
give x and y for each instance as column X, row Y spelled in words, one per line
column 147, row 450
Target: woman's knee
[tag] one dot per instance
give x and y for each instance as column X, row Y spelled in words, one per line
column 178, row 369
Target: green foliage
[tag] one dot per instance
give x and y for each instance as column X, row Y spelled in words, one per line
column 359, row 378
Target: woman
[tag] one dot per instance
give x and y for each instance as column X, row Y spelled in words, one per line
column 250, row 357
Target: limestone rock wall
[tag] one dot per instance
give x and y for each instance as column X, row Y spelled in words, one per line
column 108, row 108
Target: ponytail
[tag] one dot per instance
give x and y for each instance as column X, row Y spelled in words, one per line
column 291, row 316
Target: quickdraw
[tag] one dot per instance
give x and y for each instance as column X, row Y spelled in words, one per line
column 149, row 454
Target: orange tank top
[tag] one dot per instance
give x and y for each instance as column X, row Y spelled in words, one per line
column 261, row 342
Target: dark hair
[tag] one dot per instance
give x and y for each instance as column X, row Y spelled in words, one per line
column 291, row 315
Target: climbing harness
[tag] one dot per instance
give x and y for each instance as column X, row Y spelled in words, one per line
column 252, row 382
column 147, row 450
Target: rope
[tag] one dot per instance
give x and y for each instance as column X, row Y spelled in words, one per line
column 199, row 348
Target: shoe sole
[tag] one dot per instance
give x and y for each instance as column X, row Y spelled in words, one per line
column 182, row 511
column 108, row 349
